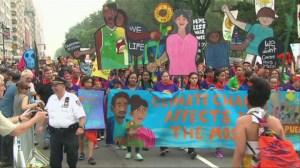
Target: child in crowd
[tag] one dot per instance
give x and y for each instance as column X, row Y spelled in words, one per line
column 193, row 84
column 87, row 83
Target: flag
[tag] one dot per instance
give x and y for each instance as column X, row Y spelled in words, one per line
column 296, row 50
column 228, row 26
column 264, row 3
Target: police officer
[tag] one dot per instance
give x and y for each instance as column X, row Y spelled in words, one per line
column 66, row 122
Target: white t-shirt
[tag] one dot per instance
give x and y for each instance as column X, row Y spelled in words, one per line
column 64, row 112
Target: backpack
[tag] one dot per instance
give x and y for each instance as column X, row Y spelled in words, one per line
column 274, row 151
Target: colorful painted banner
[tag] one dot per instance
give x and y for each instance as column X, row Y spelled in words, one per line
column 228, row 26
column 264, row 3
column 92, row 102
column 295, row 47
column 201, row 119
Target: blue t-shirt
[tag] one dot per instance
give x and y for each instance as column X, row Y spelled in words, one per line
column 260, row 34
column 216, row 55
column 119, row 130
column 7, row 103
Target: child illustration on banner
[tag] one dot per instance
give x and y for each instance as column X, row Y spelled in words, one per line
column 137, row 135
column 261, row 30
column 182, row 46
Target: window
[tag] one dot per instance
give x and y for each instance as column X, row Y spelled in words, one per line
column 14, row 21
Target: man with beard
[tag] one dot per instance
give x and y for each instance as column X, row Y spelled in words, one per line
column 116, row 125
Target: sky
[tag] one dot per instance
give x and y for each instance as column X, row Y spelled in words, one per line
column 57, row 16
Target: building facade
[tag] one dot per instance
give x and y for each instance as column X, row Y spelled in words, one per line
column 20, row 28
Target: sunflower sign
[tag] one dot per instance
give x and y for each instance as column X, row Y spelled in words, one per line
column 264, row 3
column 163, row 12
column 228, row 26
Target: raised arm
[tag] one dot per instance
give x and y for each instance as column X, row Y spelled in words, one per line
column 239, row 24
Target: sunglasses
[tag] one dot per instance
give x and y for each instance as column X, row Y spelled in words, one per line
column 27, row 88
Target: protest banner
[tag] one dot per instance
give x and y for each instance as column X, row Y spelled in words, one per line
column 202, row 119
column 92, row 102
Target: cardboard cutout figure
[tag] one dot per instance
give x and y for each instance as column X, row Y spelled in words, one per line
column 110, row 40
column 216, row 51
column 182, row 46
column 73, row 46
column 261, row 30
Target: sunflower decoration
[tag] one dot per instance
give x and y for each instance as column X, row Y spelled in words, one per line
column 264, row 1
column 228, row 23
column 163, row 12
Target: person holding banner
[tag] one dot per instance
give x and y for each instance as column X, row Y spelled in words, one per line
column 131, row 82
column 66, row 123
column 87, row 83
column 167, row 86
column 193, row 84
column 208, row 78
column 146, row 82
column 247, row 128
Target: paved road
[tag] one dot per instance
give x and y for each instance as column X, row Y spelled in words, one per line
column 109, row 156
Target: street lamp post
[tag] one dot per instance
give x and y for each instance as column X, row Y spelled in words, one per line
column 2, row 28
column 5, row 33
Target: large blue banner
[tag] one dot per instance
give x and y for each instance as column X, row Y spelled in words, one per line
column 92, row 103
column 201, row 119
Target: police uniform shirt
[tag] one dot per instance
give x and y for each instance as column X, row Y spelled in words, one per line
column 64, row 112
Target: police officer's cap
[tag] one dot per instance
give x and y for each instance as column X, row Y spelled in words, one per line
column 58, row 80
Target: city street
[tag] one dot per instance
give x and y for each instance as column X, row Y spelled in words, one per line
column 109, row 156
